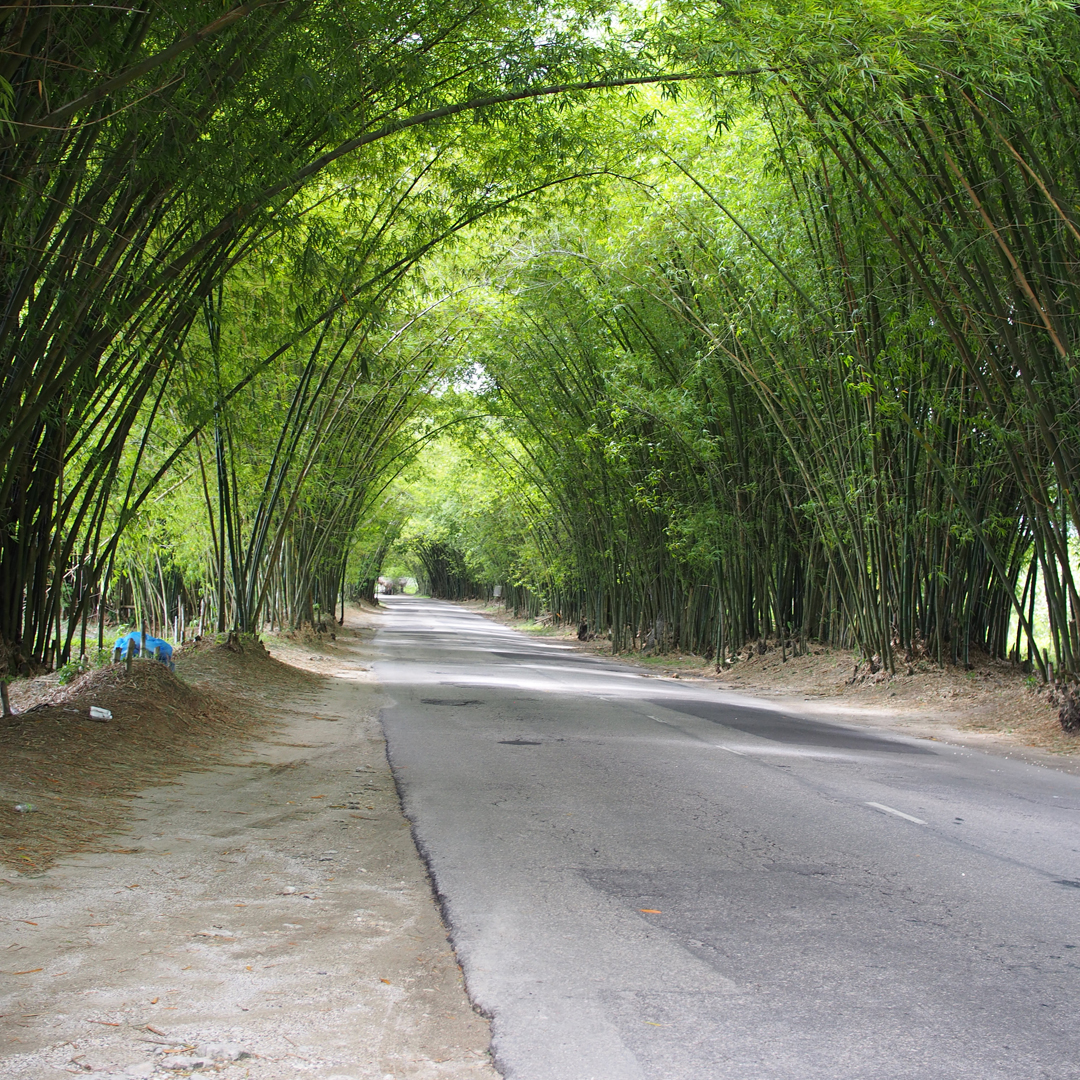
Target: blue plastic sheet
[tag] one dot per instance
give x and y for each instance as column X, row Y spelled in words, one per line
column 133, row 641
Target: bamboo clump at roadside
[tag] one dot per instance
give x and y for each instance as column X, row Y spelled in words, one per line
column 837, row 408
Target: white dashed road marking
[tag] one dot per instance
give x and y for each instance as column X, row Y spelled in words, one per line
column 898, row 813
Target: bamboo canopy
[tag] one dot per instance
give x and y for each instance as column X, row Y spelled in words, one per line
column 729, row 326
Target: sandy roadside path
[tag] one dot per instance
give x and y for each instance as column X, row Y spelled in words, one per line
column 273, row 907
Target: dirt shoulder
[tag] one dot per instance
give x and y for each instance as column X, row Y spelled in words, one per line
column 993, row 707
column 255, row 908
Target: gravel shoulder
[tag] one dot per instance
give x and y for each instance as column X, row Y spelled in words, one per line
column 265, row 917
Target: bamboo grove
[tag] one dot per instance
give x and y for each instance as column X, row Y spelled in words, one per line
column 699, row 327
column 159, row 159
column 834, row 400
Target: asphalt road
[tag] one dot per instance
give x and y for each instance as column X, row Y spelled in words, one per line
column 650, row 880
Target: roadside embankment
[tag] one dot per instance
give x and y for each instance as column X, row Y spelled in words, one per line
column 249, row 901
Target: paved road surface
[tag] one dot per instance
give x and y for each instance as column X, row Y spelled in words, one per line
column 650, row 880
